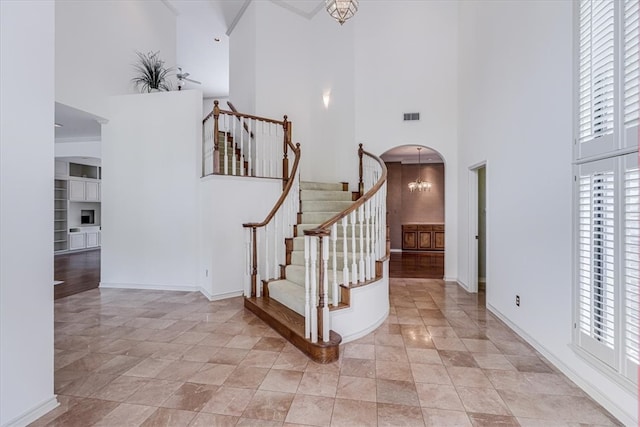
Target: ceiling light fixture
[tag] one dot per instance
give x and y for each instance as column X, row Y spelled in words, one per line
column 341, row 10
column 419, row 184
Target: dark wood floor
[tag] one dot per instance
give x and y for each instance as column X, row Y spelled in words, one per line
column 425, row 265
column 80, row 271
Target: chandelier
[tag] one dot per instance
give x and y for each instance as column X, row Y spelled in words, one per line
column 341, row 10
column 419, row 184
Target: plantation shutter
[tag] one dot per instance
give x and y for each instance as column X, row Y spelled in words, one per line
column 631, row 260
column 596, row 263
column 596, row 82
column 631, row 76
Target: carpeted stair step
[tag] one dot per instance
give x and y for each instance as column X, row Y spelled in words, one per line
column 302, row 227
column 298, row 244
column 327, row 186
column 325, row 195
column 324, row 206
column 316, row 217
column 290, row 294
column 295, row 274
column 297, row 258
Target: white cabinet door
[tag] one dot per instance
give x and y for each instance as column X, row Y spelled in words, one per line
column 92, row 239
column 92, row 191
column 77, row 241
column 76, row 190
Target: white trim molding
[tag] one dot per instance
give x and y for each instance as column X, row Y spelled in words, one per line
column 604, row 400
column 34, row 413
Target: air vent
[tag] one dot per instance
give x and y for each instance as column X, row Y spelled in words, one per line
column 411, row 116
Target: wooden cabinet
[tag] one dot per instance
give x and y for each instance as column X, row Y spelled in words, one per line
column 423, row 237
column 77, row 241
column 84, row 238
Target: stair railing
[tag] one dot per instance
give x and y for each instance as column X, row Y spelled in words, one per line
column 269, row 235
column 241, row 144
column 362, row 228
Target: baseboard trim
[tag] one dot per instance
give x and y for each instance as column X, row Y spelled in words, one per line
column 216, row 297
column 151, row 287
column 592, row 391
column 366, row 331
column 34, row 413
column 450, row 279
column 395, row 250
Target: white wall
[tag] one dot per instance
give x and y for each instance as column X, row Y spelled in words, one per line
column 371, row 82
column 26, row 221
column 81, row 148
column 515, row 99
column 242, row 62
column 96, row 43
column 223, row 252
column 150, row 201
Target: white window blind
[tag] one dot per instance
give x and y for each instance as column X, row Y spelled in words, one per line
column 596, row 248
column 596, row 70
column 631, row 75
column 607, row 185
column 631, row 263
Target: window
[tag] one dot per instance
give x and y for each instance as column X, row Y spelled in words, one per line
column 607, row 183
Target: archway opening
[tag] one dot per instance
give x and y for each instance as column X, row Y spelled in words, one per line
column 416, row 211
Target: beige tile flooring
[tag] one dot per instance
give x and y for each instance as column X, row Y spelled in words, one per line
column 129, row 358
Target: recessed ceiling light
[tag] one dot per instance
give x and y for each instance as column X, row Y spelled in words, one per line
column 58, row 125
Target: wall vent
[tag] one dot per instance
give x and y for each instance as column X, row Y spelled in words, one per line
column 411, row 116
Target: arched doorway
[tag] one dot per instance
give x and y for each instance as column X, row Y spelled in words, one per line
column 415, row 213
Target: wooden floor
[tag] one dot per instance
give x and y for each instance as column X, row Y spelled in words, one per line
column 80, row 271
column 424, row 265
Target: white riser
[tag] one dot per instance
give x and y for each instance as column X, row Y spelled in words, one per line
column 326, row 186
column 298, row 244
column 325, row 206
column 325, row 195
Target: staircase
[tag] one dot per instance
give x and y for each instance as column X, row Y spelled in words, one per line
column 317, row 269
column 319, row 202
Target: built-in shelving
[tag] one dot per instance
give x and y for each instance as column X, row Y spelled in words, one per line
column 60, row 216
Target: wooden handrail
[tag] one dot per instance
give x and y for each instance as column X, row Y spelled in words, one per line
column 324, row 228
column 247, row 116
column 285, row 192
column 233, row 108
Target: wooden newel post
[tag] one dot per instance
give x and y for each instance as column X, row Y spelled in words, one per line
column 254, row 260
column 216, row 153
column 361, row 183
column 286, row 126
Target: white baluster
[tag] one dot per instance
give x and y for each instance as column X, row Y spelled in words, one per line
column 260, row 234
column 242, row 131
column 334, row 238
column 307, row 289
column 361, row 261
column 247, row 272
column 354, row 267
column 234, row 134
column 345, row 251
column 325, row 289
column 313, row 247
column 367, row 218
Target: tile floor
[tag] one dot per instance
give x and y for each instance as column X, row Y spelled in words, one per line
column 129, row 358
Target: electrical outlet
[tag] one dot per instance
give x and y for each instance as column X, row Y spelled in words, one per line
column 518, row 300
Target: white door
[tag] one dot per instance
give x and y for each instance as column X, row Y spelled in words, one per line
column 92, row 191
column 76, row 190
column 76, row 241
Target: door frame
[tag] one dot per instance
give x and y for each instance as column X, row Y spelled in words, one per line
column 473, row 225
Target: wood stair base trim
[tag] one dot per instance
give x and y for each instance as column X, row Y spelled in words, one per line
column 290, row 325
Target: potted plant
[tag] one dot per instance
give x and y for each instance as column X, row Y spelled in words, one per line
column 152, row 74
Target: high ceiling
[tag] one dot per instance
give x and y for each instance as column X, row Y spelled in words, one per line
column 409, row 154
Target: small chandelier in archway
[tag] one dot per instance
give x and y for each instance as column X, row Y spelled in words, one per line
column 341, row 10
column 419, row 184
